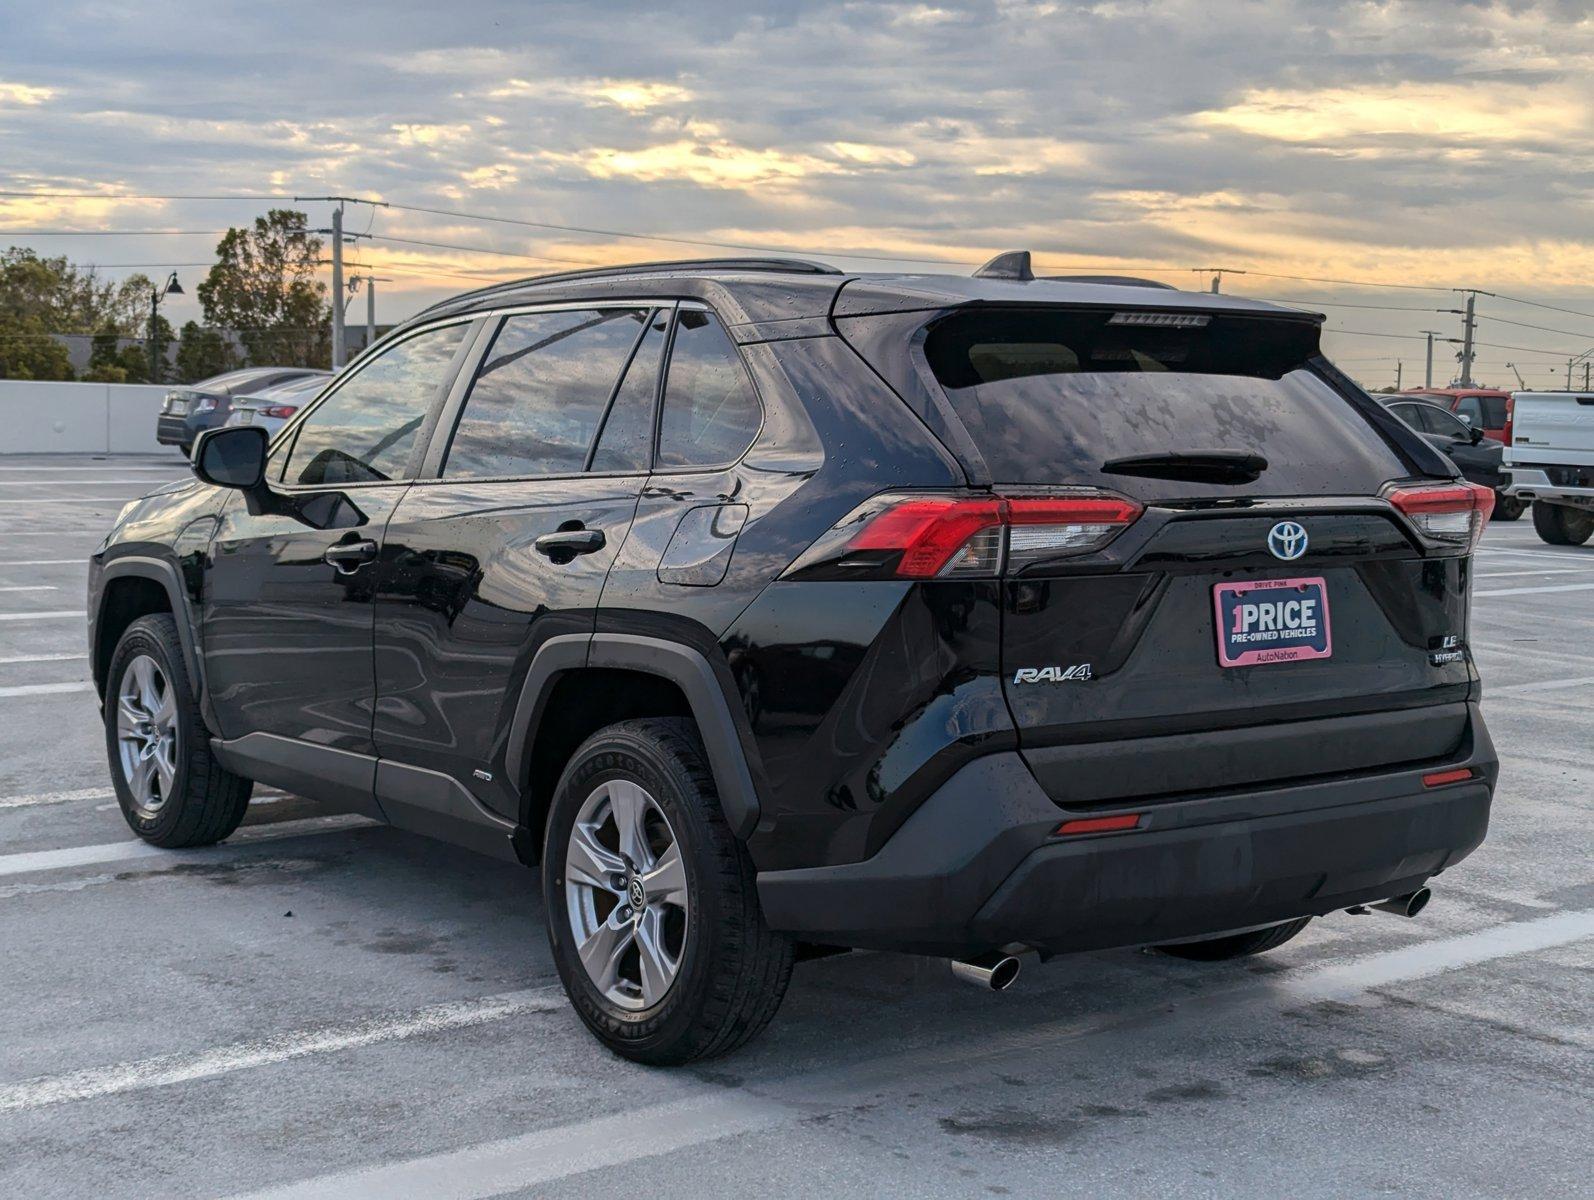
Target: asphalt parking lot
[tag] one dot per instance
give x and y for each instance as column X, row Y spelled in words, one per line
column 323, row 1007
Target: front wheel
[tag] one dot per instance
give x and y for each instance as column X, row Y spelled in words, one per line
column 171, row 790
column 1237, row 945
column 652, row 907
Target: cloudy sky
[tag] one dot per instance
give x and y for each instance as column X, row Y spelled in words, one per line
column 1431, row 145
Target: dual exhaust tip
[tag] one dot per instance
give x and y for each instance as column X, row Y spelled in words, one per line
column 989, row 972
column 998, row 972
column 1408, row 905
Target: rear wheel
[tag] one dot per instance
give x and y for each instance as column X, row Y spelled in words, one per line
column 1507, row 508
column 652, row 908
column 1238, row 945
column 1561, row 524
column 172, row 792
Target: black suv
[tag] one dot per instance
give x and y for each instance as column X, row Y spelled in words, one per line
column 773, row 610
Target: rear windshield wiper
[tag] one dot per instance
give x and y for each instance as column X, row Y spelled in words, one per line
column 1195, row 466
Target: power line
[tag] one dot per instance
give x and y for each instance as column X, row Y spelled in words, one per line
column 1535, row 304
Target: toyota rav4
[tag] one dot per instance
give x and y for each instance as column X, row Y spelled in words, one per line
column 769, row 610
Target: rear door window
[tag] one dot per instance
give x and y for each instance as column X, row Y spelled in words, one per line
column 541, row 393
column 626, row 442
column 1053, row 397
column 711, row 413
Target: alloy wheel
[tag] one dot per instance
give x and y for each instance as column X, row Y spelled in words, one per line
column 146, row 734
column 626, row 895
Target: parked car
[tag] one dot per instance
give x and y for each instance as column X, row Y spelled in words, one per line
column 1482, row 408
column 271, row 407
column 189, row 410
column 1082, row 613
column 1550, row 456
column 1478, row 456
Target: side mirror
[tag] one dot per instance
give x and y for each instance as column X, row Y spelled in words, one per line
column 1474, row 434
column 231, row 456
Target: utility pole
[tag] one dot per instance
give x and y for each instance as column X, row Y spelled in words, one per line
column 1585, row 375
column 1427, row 378
column 1569, row 363
column 1468, row 325
column 1398, row 366
column 370, row 282
column 337, row 287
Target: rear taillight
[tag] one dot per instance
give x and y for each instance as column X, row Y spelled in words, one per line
column 1446, row 514
column 280, row 411
column 1510, row 416
column 206, row 404
column 961, row 536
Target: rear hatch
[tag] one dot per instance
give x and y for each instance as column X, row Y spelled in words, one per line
column 1258, row 607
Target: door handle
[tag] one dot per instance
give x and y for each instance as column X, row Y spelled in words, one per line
column 348, row 557
column 567, row 543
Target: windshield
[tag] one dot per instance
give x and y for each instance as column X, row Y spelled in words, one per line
column 1055, row 396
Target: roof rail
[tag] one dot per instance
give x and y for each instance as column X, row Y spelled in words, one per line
column 785, row 266
column 780, row 266
column 1119, row 280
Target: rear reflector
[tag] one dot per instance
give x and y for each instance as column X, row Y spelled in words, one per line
column 973, row 536
column 1440, row 778
column 1114, row 824
column 1445, row 513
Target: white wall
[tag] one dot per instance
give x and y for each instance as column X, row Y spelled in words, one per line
column 78, row 418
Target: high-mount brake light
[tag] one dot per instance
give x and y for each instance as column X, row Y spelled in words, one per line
column 1164, row 320
column 961, row 536
column 1447, row 514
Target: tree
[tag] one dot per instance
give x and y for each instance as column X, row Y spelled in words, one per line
column 27, row 349
column 263, row 287
column 104, row 359
column 201, row 353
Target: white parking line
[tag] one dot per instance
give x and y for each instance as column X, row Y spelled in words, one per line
column 38, row 658
column 242, row 1056
column 494, row 1168
column 45, row 689
column 30, row 587
column 44, row 616
column 47, row 562
column 32, row 861
column 1570, row 556
column 176, row 468
column 55, row 797
column 107, row 500
column 76, row 482
column 1532, row 591
column 1544, row 685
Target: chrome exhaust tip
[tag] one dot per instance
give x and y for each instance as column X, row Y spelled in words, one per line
column 1408, row 905
column 992, row 972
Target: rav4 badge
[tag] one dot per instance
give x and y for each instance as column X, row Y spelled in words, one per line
column 1077, row 673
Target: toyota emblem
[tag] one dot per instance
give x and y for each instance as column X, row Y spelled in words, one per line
column 1287, row 540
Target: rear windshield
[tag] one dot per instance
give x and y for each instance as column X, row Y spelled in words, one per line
column 1053, row 397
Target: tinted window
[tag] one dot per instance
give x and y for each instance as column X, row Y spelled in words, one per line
column 1470, row 409
column 1050, row 397
column 628, row 432
column 711, row 414
column 541, row 391
column 366, row 430
column 1444, row 423
column 1411, row 414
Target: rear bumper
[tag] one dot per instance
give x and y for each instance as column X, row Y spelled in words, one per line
column 977, row 867
column 1531, row 482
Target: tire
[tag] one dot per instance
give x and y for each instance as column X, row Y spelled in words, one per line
column 185, row 797
column 1561, row 524
column 1238, row 945
column 731, row 970
column 1508, row 508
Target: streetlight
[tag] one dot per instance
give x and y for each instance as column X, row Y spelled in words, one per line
column 156, row 295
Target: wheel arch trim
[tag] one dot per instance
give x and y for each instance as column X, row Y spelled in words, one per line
column 164, row 573
column 681, row 665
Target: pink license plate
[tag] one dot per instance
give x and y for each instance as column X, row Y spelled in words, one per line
column 1271, row 620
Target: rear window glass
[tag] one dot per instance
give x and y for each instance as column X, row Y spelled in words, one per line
column 1054, row 397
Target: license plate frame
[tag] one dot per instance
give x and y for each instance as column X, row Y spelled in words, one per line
column 1243, row 638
